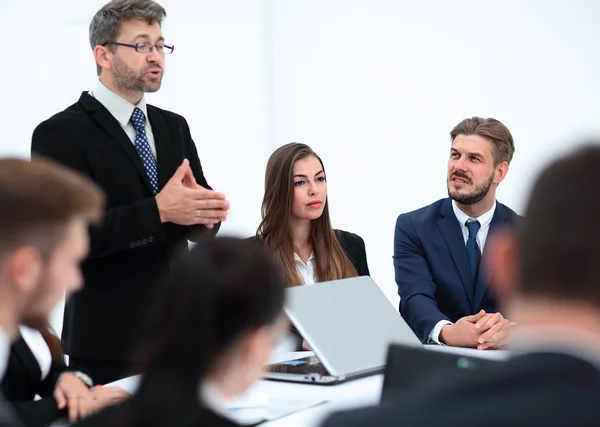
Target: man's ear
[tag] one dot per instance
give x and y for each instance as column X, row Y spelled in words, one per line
column 500, row 172
column 24, row 268
column 101, row 55
column 501, row 256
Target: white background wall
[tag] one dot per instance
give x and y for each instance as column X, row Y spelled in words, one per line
column 374, row 86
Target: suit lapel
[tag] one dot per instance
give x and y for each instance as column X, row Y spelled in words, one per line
column 452, row 233
column 483, row 276
column 24, row 354
column 111, row 126
column 166, row 158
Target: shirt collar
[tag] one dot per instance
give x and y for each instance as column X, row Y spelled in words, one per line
column 212, row 398
column 297, row 258
column 484, row 220
column 4, row 351
column 119, row 107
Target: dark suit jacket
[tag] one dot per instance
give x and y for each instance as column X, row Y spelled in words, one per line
column 432, row 268
column 354, row 247
column 534, row 390
column 8, row 416
column 131, row 248
column 204, row 418
column 22, row 382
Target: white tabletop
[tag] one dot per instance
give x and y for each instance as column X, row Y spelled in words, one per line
column 361, row 392
column 353, row 394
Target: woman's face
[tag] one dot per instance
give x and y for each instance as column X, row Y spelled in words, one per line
column 310, row 189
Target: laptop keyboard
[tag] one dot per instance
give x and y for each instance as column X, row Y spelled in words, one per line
column 304, row 366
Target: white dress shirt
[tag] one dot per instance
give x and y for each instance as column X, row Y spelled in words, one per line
column 121, row 109
column 484, row 221
column 4, row 351
column 306, row 271
column 38, row 346
column 212, row 398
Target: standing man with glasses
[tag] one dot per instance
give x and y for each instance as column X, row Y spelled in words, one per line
column 145, row 160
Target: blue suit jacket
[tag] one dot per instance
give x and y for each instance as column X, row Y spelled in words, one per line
column 432, row 269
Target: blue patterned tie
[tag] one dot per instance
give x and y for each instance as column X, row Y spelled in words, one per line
column 473, row 252
column 142, row 145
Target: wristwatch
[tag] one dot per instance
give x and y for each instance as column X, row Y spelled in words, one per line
column 85, row 378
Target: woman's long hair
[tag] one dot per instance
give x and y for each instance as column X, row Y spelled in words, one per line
column 52, row 341
column 221, row 290
column 331, row 260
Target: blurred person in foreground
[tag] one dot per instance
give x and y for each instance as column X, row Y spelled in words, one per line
column 45, row 211
column 217, row 319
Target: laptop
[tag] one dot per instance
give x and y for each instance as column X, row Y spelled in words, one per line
column 407, row 365
column 349, row 325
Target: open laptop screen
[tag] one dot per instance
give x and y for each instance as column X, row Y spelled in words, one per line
column 408, row 365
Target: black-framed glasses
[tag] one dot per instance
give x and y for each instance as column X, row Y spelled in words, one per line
column 145, row 47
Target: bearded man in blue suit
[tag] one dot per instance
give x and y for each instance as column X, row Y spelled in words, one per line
column 438, row 249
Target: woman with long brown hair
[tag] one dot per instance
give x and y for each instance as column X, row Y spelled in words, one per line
column 296, row 225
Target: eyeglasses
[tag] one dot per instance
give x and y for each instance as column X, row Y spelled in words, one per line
column 145, row 47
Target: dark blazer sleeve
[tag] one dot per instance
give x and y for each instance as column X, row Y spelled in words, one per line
column 416, row 287
column 196, row 232
column 8, row 415
column 39, row 413
column 367, row 416
column 354, row 246
column 121, row 225
column 22, row 382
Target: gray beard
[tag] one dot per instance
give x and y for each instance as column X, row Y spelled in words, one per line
column 129, row 80
column 133, row 83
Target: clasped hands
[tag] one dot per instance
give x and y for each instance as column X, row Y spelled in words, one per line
column 71, row 393
column 482, row 331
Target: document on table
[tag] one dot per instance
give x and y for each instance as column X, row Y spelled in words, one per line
column 278, row 406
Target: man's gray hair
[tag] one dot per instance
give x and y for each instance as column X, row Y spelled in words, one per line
column 106, row 24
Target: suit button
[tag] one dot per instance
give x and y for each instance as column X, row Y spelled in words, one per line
column 144, row 242
column 151, row 239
